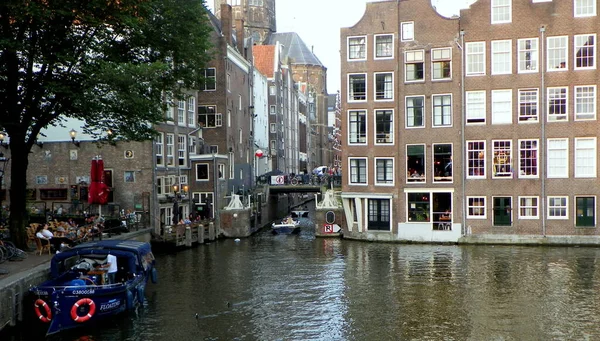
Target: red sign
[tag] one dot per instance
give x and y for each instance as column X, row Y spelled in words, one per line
column 328, row 228
column 259, row 153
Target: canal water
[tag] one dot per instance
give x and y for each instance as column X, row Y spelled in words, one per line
column 298, row 287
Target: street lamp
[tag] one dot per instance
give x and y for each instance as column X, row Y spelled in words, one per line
column 3, row 163
column 73, row 134
column 2, row 137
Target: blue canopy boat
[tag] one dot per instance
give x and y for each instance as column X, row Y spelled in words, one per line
column 78, row 291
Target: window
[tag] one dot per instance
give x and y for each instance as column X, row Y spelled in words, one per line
column 228, row 82
column 191, row 111
column 442, row 110
column 272, row 109
column 585, row 8
column 210, row 80
column 558, row 158
column 159, row 145
column 413, row 65
column 415, row 111
column 272, row 90
column 585, row 102
column 528, row 208
column 476, row 159
column 202, row 172
column 528, row 55
column 192, row 141
column 180, row 112
column 501, row 11
column 357, row 87
column 475, row 106
column 557, row 104
column 528, row 105
column 557, row 53
column 208, row 117
column 585, row 51
column 501, row 106
column 585, row 157
column 170, row 149
column 221, row 170
column 415, row 163
column 476, row 208
column 418, row 207
column 384, row 126
column 272, row 128
column 558, row 208
column 528, row 158
column 441, row 63
column 501, row 57
column 357, row 47
column 357, row 131
column 384, row 169
column 475, row 58
column 502, row 159
column 358, row 171
column 585, row 211
column 408, row 31
column 442, row 162
column 181, row 150
column 384, row 46
column 240, row 103
column 231, row 158
column 170, row 116
column 55, row 194
column 384, row 86
column 228, row 117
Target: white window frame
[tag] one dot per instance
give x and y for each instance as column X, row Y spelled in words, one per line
column 351, row 169
column 522, row 164
column 502, row 106
column 207, row 171
column 357, row 97
column 501, row 57
column 558, row 93
column 476, row 154
column 437, row 115
column 388, row 182
column 475, row 107
column 388, row 140
column 585, row 100
column 191, row 111
column 499, row 9
column 556, row 52
column 170, row 151
column 388, row 92
column 557, row 208
column 181, row 150
column 441, row 55
column 407, row 30
column 578, row 44
column 181, row 113
column 475, row 58
column 580, row 5
column 377, row 44
column 502, row 157
column 529, row 99
column 406, row 109
column 360, row 53
column 528, row 56
column 471, row 208
column 414, row 57
column 209, row 86
column 585, row 157
column 159, row 145
column 353, row 131
column 557, row 158
column 530, row 205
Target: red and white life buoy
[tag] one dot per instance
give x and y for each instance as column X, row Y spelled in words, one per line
column 41, row 303
column 91, row 311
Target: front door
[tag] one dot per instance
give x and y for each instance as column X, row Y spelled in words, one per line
column 502, row 211
column 585, row 210
column 379, row 214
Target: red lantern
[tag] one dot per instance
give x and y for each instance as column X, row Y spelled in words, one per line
column 259, row 153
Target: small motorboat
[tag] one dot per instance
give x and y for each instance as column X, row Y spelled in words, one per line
column 80, row 291
column 286, row 226
column 300, row 214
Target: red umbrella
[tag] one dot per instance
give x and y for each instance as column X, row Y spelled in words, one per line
column 98, row 191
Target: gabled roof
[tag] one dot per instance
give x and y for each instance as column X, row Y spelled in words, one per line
column 264, row 58
column 294, row 48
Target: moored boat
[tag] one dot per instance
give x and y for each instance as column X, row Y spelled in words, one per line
column 286, row 226
column 81, row 291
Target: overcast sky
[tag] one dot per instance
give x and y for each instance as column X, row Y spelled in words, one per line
column 318, row 23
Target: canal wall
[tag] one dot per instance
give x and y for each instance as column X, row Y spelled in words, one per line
column 14, row 289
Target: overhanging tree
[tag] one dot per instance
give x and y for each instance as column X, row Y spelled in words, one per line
column 109, row 63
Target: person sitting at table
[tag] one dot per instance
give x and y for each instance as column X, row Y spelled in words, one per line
column 48, row 237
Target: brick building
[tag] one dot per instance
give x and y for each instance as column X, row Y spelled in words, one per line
column 522, row 100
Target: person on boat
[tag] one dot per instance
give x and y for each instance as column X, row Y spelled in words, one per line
column 112, row 268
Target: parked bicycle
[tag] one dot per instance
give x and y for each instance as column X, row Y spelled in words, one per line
column 8, row 251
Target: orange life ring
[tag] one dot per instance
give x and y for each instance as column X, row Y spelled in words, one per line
column 79, row 303
column 41, row 303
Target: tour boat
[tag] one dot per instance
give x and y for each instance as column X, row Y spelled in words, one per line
column 286, row 226
column 78, row 292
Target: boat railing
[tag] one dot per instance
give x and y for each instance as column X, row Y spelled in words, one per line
column 83, row 287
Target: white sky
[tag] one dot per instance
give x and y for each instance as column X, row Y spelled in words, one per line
column 318, row 23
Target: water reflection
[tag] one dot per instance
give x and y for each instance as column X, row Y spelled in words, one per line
column 299, row 287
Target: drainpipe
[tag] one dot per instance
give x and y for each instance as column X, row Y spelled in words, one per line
column 462, row 131
column 543, row 133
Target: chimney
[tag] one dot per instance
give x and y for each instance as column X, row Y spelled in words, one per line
column 239, row 35
column 226, row 22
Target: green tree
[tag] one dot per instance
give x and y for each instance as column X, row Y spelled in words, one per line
column 110, row 63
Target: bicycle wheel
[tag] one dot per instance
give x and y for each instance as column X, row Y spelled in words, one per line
column 8, row 249
column 2, row 258
column 294, row 182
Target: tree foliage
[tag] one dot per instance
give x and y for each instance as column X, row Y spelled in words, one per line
column 109, row 63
